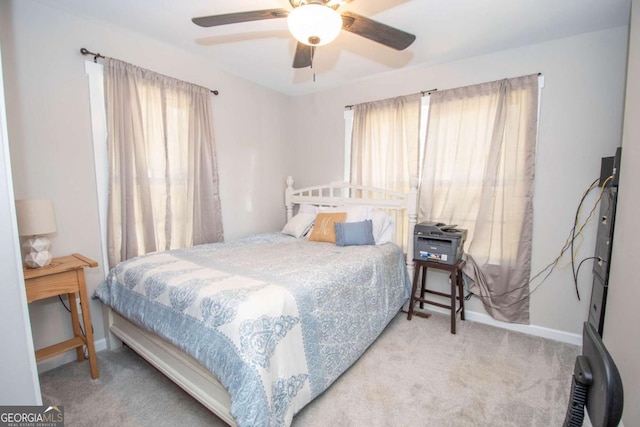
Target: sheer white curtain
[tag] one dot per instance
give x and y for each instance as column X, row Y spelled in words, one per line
column 385, row 146
column 478, row 173
column 163, row 181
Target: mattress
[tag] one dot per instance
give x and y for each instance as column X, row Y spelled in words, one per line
column 276, row 319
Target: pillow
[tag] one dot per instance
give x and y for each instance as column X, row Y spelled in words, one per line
column 382, row 227
column 323, row 229
column 357, row 213
column 354, row 233
column 307, row 209
column 299, row 224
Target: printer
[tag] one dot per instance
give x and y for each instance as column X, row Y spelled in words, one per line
column 435, row 241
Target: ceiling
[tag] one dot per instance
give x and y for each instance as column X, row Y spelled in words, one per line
column 262, row 51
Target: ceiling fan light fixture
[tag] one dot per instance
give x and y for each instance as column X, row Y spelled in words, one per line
column 314, row 24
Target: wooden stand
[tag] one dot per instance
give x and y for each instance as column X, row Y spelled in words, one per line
column 455, row 277
column 65, row 275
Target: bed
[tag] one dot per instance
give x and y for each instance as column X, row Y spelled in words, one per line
column 256, row 328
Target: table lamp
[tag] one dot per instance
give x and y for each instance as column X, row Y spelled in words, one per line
column 35, row 219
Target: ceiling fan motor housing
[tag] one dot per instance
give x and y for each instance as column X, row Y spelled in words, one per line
column 314, row 24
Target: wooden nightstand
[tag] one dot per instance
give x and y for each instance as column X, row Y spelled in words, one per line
column 65, row 275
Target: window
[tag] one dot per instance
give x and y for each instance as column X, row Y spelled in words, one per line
column 476, row 157
column 348, row 130
column 157, row 182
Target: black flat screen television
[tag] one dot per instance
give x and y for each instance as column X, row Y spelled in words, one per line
column 596, row 385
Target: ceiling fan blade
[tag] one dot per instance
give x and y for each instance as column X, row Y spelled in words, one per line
column 303, row 56
column 376, row 31
column 232, row 18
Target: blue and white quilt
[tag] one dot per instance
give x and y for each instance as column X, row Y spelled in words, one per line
column 274, row 318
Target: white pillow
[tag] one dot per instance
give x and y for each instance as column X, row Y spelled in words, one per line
column 299, row 224
column 382, row 227
column 310, row 209
column 356, row 213
column 329, row 209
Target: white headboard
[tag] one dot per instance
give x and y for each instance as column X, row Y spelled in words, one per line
column 344, row 194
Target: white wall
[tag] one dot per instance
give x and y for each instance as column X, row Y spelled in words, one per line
column 51, row 147
column 263, row 136
column 622, row 316
column 20, row 384
column 580, row 122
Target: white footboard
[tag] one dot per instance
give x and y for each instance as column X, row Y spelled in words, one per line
column 177, row 365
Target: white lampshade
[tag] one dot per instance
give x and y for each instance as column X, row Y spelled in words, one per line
column 36, row 218
column 314, row 24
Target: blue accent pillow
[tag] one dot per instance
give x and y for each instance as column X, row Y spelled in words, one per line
column 354, row 233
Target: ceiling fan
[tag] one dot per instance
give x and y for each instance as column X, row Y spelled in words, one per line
column 316, row 23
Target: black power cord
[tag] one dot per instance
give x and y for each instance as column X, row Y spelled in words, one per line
column 573, row 237
column 569, row 245
column 575, row 224
column 85, row 350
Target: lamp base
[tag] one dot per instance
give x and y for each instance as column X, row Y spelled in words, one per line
column 37, row 250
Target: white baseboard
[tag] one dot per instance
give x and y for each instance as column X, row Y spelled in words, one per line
column 538, row 331
column 69, row 356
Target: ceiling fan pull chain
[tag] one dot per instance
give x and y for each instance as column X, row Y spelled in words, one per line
column 313, row 53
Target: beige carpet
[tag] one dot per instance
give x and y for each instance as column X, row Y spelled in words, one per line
column 415, row 374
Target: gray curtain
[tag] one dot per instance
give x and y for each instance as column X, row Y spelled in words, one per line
column 163, row 183
column 385, row 147
column 478, row 173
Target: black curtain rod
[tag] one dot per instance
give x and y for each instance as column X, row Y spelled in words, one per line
column 423, row 92
column 85, row 51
